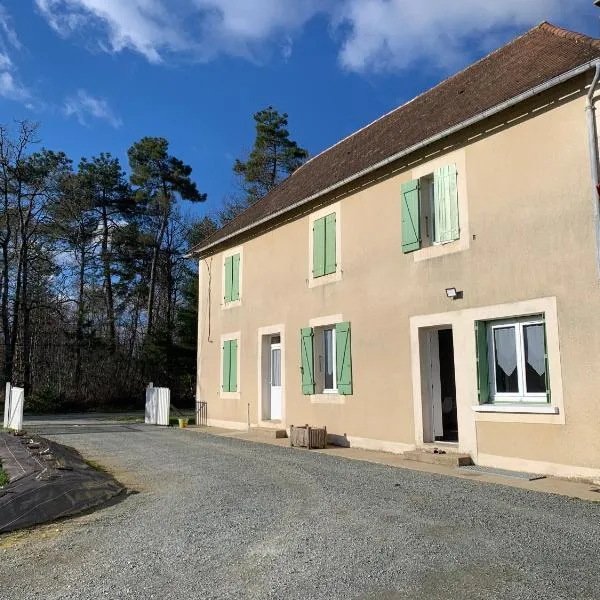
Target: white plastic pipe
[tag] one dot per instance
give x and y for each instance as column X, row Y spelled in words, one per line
column 590, row 112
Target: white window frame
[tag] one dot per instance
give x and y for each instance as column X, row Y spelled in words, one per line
column 522, row 397
column 232, row 252
column 311, row 280
column 320, row 396
column 226, row 337
column 429, row 250
column 320, row 334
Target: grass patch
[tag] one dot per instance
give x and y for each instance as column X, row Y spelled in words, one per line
column 4, row 478
column 126, row 418
column 174, row 421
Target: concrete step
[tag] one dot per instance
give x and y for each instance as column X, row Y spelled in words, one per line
column 445, row 457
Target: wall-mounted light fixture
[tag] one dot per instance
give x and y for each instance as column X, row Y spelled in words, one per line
column 452, row 292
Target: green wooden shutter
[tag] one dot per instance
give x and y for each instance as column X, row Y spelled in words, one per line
column 228, row 278
column 343, row 358
column 481, row 348
column 411, row 221
column 235, row 277
column 307, row 355
column 319, row 247
column 226, row 364
column 330, row 249
column 446, row 204
column 548, row 393
column 233, row 365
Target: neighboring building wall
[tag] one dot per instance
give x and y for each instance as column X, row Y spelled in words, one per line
column 527, row 244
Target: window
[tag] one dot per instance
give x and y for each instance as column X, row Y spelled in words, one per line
column 324, row 246
column 232, row 278
column 430, row 210
column 512, row 361
column 230, row 365
column 326, row 360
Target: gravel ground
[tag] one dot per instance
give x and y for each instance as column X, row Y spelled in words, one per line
column 223, row 518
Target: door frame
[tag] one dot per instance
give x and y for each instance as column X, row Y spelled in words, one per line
column 264, row 381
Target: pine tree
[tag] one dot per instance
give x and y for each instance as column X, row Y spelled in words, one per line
column 273, row 158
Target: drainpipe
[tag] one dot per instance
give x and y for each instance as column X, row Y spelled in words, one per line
column 593, row 143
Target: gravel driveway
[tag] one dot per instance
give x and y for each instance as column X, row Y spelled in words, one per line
column 224, row 518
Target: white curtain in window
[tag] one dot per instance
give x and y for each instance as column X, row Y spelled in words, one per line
column 506, row 355
column 534, row 341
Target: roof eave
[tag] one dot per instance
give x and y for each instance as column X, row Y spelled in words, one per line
column 550, row 83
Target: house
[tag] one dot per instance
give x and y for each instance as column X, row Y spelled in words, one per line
column 432, row 278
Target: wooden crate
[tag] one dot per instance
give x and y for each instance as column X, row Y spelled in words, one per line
column 308, row 437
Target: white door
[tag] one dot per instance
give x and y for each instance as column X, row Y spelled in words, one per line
column 275, row 380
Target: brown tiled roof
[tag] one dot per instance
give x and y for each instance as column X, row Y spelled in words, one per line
column 541, row 54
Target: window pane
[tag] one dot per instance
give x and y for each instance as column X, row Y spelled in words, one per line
column 505, row 355
column 535, row 360
column 328, row 339
column 275, row 367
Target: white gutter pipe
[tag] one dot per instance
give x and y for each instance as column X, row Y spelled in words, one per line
column 590, row 112
column 473, row 120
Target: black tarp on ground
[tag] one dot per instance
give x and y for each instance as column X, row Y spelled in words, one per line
column 47, row 481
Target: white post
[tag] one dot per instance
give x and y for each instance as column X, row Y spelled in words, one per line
column 150, row 413
column 7, row 405
column 17, row 399
column 163, row 405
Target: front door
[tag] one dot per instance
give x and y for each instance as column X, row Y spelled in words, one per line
column 275, row 380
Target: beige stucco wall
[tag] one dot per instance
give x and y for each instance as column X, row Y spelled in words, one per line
column 527, row 233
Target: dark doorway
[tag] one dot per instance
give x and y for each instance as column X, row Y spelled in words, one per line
column 447, row 387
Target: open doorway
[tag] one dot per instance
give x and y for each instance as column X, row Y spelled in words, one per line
column 440, row 422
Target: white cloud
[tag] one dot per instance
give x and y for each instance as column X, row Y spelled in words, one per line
column 201, row 29
column 375, row 35
column 8, row 33
column 146, row 26
column 393, row 34
column 11, row 89
column 82, row 106
column 10, row 86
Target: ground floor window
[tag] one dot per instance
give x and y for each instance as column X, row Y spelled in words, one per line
column 230, row 366
column 512, row 360
column 326, row 359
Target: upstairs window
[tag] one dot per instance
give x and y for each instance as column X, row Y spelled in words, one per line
column 430, row 210
column 232, row 278
column 324, row 246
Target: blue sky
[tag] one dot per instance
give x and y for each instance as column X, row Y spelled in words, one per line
column 100, row 74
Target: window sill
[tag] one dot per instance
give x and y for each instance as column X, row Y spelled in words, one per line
column 232, row 304
column 516, row 409
column 324, row 279
column 328, row 398
column 441, row 249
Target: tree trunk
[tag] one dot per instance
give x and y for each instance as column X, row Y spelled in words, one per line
column 80, row 317
column 110, row 306
column 26, row 322
column 153, row 272
column 8, row 359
